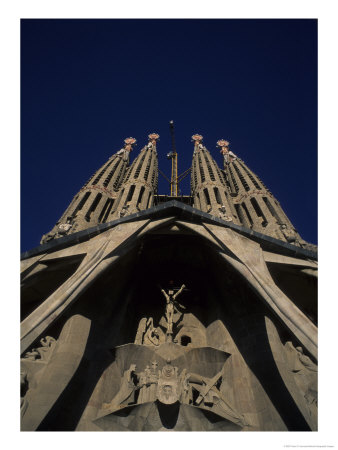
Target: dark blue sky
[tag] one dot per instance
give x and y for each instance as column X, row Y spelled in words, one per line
column 88, row 84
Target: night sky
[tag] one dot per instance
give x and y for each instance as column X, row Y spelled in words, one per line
column 86, row 85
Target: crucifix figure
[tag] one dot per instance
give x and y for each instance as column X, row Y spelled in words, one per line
column 171, row 306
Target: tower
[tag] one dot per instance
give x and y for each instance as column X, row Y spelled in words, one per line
column 95, row 200
column 208, row 184
column 140, row 183
column 144, row 315
column 254, row 203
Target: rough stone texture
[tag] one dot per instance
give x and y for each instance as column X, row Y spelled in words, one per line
column 169, row 319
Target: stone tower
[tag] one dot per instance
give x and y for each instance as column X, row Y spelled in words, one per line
column 140, row 183
column 142, row 315
column 95, row 200
column 208, row 185
column 254, row 203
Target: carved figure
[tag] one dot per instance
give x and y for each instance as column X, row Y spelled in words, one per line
column 143, row 385
column 305, row 372
column 151, row 336
column 223, row 214
column 127, row 388
column 153, row 380
column 306, row 361
column 171, row 306
column 211, row 396
column 63, row 228
column 32, row 355
column 141, row 330
column 124, row 211
column 43, row 352
column 168, row 390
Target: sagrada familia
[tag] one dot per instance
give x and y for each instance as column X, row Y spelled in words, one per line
column 148, row 312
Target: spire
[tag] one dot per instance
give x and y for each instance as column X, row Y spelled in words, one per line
column 208, row 185
column 256, row 207
column 94, row 201
column 140, row 183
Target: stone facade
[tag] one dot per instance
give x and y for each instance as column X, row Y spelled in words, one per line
column 169, row 316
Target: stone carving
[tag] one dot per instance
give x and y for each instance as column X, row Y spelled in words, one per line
column 210, row 396
column 290, row 235
column 151, row 335
column 127, row 389
column 147, row 334
column 169, row 386
column 142, row 326
column 305, row 372
column 229, row 156
column 223, row 214
column 172, row 306
column 42, row 353
column 63, row 228
column 124, row 211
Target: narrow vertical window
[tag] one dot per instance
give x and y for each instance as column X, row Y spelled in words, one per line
column 247, row 213
column 108, row 210
column 81, row 203
column 272, row 209
column 217, row 196
column 207, row 197
column 104, row 209
column 258, row 211
column 139, row 200
column 130, row 193
column 93, row 207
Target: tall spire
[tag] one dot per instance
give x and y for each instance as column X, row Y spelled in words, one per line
column 256, row 207
column 95, row 200
column 208, row 186
column 140, row 183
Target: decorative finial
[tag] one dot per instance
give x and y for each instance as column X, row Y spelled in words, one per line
column 153, row 137
column 128, row 143
column 197, row 138
column 223, row 145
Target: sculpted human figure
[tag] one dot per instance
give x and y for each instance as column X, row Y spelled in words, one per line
column 41, row 352
column 47, row 343
column 153, row 380
column 32, row 355
column 305, row 372
column 151, row 336
column 168, row 390
column 306, row 361
column 143, row 385
column 210, row 394
column 127, row 388
column 140, row 331
column 171, row 306
column 186, row 388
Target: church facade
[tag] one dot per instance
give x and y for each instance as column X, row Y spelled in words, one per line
column 144, row 312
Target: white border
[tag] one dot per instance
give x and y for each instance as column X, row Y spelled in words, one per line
column 10, row 14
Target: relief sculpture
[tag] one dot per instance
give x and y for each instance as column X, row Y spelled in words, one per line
column 171, row 377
